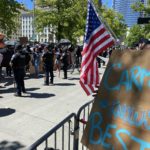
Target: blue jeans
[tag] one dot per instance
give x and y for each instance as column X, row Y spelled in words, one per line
column 36, row 67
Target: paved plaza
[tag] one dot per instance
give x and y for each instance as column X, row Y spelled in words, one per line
column 24, row 119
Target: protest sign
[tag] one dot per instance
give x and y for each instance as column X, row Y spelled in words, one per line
column 23, row 40
column 2, row 36
column 120, row 117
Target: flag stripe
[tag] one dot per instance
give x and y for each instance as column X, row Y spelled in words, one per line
column 108, row 44
column 92, row 47
column 87, row 61
column 98, row 32
column 87, row 88
column 97, row 39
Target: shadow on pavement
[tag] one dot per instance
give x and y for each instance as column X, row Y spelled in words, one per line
column 5, row 145
column 38, row 95
column 8, row 81
column 13, row 90
column 6, row 112
column 32, row 76
column 65, row 84
column 2, row 87
column 74, row 79
column 32, row 89
column 9, row 90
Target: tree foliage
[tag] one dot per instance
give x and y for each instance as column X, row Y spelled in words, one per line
column 115, row 21
column 69, row 17
column 139, row 31
column 9, row 11
column 141, row 7
column 65, row 15
column 135, row 33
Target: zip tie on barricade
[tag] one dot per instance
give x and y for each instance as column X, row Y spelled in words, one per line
column 95, row 93
column 83, row 121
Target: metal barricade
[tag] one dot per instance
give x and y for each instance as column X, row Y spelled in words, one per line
column 67, row 134
column 82, row 118
column 61, row 137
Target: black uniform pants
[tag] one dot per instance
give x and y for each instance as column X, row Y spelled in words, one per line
column 65, row 67
column 8, row 70
column 19, row 79
column 49, row 70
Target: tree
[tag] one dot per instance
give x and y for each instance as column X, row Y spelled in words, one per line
column 141, row 7
column 64, row 15
column 139, row 31
column 115, row 21
column 9, row 11
column 69, row 17
column 134, row 35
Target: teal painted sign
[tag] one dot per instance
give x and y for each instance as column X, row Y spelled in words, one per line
column 120, row 117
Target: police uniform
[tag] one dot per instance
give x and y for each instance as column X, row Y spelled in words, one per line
column 48, row 57
column 65, row 57
column 18, row 65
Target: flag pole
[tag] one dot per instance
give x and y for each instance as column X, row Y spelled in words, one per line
column 105, row 23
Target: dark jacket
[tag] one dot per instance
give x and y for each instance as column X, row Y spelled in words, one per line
column 65, row 58
column 48, row 59
column 18, row 60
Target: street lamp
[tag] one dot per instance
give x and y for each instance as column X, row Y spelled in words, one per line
column 33, row 21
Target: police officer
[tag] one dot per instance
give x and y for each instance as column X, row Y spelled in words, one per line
column 48, row 62
column 18, row 65
column 65, row 61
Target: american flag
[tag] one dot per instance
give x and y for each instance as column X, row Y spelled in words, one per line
column 97, row 39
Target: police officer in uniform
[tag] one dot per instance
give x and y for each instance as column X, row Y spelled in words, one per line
column 18, row 64
column 65, row 61
column 48, row 62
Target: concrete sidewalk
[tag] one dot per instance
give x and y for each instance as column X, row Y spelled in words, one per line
column 37, row 112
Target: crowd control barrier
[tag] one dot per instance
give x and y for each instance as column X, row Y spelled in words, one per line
column 67, row 134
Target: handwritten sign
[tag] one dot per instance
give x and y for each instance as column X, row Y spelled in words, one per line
column 120, row 117
column 23, row 40
column 2, row 36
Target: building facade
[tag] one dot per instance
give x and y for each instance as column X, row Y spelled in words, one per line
column 124, row 7
column 28, row 30
column 27, row 25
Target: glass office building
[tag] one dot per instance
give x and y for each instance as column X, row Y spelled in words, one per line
column 124, row 7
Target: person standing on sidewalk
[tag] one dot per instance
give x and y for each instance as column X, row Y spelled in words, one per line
column 18, row 65
column 65, row 61
column 58, row 53
column 36, row 61
column 1, row 59
column 48, row 63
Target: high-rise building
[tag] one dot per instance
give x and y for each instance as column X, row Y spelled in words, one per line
column 124, row 7
column 100, row 2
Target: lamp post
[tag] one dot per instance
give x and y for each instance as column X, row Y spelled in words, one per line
column 33, row 22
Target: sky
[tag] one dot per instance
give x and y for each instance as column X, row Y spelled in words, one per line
column 29, row 3
column 107, row 3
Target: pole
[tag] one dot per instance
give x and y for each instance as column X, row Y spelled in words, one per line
column 105, row 23
column 33, row 22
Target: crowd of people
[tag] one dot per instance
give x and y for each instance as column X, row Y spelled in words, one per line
column 39, row 58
